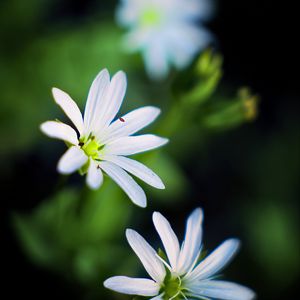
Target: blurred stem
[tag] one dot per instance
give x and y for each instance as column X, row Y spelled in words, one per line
column 172, row 120
column 61, row 182
column 83, row 199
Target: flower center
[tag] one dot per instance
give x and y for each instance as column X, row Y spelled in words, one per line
column 172, row 288
column 151, row 17
column 90, row 146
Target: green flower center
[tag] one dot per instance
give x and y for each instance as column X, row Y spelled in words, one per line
column 172, row 288
column 90, row 146
column 151, row 17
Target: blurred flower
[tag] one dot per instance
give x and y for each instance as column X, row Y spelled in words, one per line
column 182, row 277
column 102, row 144
column 165, row 31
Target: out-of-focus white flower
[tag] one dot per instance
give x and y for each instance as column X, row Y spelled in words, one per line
column 165, row 31
column 183, row 276
column 101, row 144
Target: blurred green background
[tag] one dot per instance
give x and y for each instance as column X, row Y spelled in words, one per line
column 234, row 150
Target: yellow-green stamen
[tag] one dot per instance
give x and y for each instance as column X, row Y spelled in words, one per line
column 172, row 288
column 90, row 146
column 150, row 17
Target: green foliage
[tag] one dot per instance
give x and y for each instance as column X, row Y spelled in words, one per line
column 197, row 101
column 55, row 59
column 76, row 234
column 276, row 242
column 230, row 113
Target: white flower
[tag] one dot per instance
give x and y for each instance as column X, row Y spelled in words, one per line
column 165, row 31
column 101, row 144
column 183, row 276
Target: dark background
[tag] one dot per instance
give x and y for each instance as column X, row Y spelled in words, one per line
column 257, row 41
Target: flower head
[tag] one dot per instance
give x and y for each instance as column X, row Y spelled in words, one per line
column 101, row 143
column 182, row 276
column 165, row 31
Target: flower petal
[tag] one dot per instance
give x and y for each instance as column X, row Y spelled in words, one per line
column 214, row 262
column 70, row 108
column 95, row 100
column 132, row 286
column 225, row 290
column 130, row 123
column 126, row 182
column 192, row 242
column 156, row 58
column 94, row 176
column 159, row 297
column 73, row 159
column 112, row 101
column 137, row 169
column 134, row 144
column 168, row 238
column 147, row 255
column 60, row 131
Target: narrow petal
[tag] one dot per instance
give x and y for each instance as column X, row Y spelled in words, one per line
column 216, row 261
column 156, row 58
column 192, row 242
column 168, row 238
column 224, row 290
column 147, row 255
column 95, row 100
column 69, row 107
column 112, row 101
column 132, row 286
column 134, row 144
column 126, row 182
column 94, row 176
column 73, row 159
column 60, row 131
column 159, row 297
column 137, row 169
column 130, row 123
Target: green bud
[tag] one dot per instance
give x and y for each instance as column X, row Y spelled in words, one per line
column 227, row 114
column 198, row 84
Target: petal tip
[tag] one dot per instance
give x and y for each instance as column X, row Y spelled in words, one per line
column 129, row 233
column 106, row 283
column 55, row 92
column 161, row 186
column 165, row 141
column 156, row 217
column 143, row 204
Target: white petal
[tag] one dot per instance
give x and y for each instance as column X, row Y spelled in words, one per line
column 147, row 255
column 130, row 123
column 132, row 286
column 137, row 169
column 112, row 101
column 95, row 100
column 192, row 242
column 134, row 144
column 168, row 238
column 159, row 297
column 156, row 58
column 94, row 176
column 185, row 41
column 70, row 108
column 60, row 131
column 218, row 259
column 73, row 159
column 222, row 290
column 126, row 182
